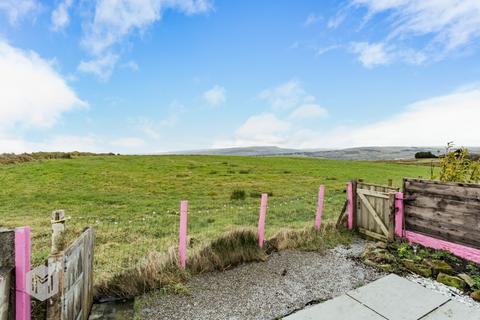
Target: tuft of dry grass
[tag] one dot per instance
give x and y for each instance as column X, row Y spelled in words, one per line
column 157, row 270
column 161, row 271
column 308, row 239
column 229, row 250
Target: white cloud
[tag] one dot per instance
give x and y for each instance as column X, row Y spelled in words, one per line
column 128, row 143
column 215, row 96
column 115, row 20
column 430, row 122
column 60, row 17
column 101, row 67
column 286, row 96
column 309, row 111
column 32, row 93
column 311, row 19
column 371, row 54
column 451, row 24
column 17, row 9
column 259, row 130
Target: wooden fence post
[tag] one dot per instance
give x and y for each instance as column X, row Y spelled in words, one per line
column 350, row 206
column 399, row 213
column 261, row 220
column 182, row 246
column 22, row 267
column 7, row 264
column 318, row 217
column 58, row 227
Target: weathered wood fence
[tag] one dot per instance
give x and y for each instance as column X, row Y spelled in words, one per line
column 75, row 272
column 431, row 213
column 447, row 211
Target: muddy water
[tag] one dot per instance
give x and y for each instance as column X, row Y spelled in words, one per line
column 114, row 310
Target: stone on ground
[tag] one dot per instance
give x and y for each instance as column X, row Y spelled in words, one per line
column 451, row 281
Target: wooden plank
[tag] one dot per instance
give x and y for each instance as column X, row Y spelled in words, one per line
column 372, row 234
column 384, row 188
column 468, row 221
column 454, row 191
column 342, row 215
column 375, row 216
column 375, row 194
column 443, row 230
column 466, row 206
column 5, row 283
column 391, row 217
column 54, row 304
column 7, row 251
column 88, row 285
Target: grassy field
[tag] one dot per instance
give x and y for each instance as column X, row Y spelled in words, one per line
column 133, row 201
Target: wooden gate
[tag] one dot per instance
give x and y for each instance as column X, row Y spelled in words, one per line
column 375, row 210
column 75, row 268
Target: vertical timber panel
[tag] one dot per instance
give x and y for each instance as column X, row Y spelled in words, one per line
column 7, row 265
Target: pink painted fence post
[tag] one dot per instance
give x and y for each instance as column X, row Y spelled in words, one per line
column 22, row 267
column 182, row 246
column 399, row 214
column 318, row 217
column 350, row 205
column 261, row 220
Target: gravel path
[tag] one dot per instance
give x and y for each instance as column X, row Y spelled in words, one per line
column 286, row 282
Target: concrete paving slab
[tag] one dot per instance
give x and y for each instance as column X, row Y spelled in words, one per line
column 396, row 298
column 454, row 310
column 343, row 307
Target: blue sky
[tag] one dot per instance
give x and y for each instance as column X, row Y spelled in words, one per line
column 145, row 76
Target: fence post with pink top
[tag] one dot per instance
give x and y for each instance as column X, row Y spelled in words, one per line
column 182, row 245
column 350, row 205
column 22, row 267
column 261, row 220
column 399, row 212
column 318, row 216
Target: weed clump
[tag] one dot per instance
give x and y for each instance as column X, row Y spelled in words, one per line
column 238, row 194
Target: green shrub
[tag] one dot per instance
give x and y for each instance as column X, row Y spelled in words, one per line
column 457, row 166
column 238, row 194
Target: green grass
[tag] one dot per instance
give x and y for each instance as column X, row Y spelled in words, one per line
column 133, row 201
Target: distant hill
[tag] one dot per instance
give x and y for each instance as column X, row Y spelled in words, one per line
column 360, row 153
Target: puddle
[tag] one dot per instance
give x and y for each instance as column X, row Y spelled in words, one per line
column 113, row 310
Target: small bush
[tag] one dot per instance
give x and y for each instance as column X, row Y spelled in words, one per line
column 244, row 171
column 425, row 155
column 238, row 194
column 457, row 166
